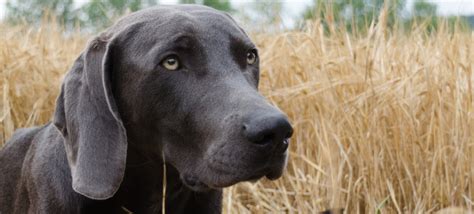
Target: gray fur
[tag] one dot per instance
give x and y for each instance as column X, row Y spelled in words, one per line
column 120, row 113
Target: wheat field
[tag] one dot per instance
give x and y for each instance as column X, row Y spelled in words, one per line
column 384, row 122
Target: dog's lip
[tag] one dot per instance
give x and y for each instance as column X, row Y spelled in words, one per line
column 272, row 170
column 273, row 175
column 195, row 184
column 255, row 178
column 283, row 148
column 275, row 170
column 252, row 178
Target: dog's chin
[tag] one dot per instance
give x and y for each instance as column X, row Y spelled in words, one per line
column 276, row 171
column 203, row 182
column 195, row 184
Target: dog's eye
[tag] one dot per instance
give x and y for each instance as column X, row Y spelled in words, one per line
column 252, row 57
column 171, row 63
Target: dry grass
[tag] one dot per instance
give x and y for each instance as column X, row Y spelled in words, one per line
column 384, row 122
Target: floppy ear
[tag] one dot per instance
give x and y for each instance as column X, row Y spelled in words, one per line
column 87, row 117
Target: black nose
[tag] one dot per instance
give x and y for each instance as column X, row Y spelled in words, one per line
column 268, row 129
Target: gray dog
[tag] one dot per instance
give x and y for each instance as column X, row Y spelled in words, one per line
column 170, row 84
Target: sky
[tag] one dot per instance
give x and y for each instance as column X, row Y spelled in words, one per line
column 293, row 8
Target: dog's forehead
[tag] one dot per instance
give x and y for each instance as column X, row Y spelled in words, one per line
column 193, row 20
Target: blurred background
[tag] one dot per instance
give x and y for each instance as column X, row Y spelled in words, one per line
column 94, row 15
column 380, row 93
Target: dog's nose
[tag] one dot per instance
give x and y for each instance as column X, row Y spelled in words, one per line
column 268, row 130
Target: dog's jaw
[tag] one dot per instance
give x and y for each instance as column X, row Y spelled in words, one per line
column 206, row 177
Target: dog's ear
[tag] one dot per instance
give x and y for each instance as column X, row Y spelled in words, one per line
column 88, row 119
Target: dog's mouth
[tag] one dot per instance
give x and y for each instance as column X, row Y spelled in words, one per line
column 211, row 180
column 195, row 184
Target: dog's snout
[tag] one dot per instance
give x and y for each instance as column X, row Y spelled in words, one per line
column 274, row 129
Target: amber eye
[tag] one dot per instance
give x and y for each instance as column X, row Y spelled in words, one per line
column 252, row 57
column 171, row 63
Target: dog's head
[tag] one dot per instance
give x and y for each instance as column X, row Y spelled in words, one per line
column 178, row 81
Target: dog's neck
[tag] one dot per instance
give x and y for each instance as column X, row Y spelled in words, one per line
column 141, row 190
column 142, row 187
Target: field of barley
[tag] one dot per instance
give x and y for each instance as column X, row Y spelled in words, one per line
column 384, row 121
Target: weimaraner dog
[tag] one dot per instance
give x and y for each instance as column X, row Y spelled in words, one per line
column 169, row 84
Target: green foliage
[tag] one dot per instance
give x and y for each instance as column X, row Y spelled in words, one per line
column 424, row 9
column 268, row 11
column 353, row 14
column 31, row 11
column 357, row 15
column 424, row 16
column 424, row 12
column 102, row 13
column 260, row 15
column 223, row 5
column 94, row 15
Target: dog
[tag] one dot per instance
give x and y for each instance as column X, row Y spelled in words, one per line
column 167, row 95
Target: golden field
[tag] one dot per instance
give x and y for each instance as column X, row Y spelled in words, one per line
column 384, row 122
